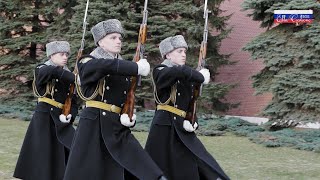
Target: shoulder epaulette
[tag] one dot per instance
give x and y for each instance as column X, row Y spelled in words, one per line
column 85, row 60
column 40, row 66
column 161, row 66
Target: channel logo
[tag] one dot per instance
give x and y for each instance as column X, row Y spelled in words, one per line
column 293, row 16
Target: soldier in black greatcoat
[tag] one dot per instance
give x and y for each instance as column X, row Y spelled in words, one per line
column 172, row 143
column 45, row 149
column 104, row 147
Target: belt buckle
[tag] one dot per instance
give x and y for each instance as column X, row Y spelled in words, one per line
column 113, row 108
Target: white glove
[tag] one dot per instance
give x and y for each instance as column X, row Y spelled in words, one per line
column 206, row 74
column 188, row 126
column 65, row 119
column 143, row 67
column 125, row 120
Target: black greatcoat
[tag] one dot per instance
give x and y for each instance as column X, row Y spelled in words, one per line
column 103, row 148
column 45, row 149
column 179, row 153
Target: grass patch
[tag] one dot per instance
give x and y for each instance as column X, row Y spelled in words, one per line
column 239, row 157
column 12, row 133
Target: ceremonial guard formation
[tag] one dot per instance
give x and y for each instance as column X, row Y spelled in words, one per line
column 46, row 146
column 104, row 147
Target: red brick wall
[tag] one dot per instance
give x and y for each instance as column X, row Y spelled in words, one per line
column 244, row 29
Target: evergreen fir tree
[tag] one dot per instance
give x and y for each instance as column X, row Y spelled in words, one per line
column 22, row 37
column 26, row 26
column 290, row 53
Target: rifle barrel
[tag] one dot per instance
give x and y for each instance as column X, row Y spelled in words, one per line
column 197, row 89
column 136, row 80
column 67, row 105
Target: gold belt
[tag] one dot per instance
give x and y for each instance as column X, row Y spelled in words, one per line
column 104, row 106
column 172, row 110
column 51, row 102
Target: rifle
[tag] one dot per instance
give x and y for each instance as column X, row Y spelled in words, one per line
column 67, row 104
column 128, row 107
column 197, row 90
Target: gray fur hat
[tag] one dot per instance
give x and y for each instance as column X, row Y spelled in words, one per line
column 103, row 28
column 171, row 43
column 56, row 47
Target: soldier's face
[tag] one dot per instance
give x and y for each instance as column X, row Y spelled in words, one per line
column 60, row 59
column 178, row 56
column 111, row 43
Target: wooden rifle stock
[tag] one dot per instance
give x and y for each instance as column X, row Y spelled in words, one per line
column 128, row 107
column 191, row 114
column 68, row 102
column 197, row 88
